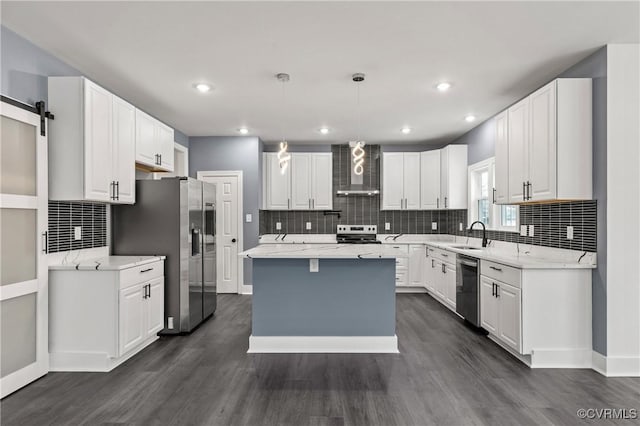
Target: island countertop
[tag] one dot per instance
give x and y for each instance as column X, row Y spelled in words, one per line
column 323, row 251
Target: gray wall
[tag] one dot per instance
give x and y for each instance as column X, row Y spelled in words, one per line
column 219, row 153
column 480, row 140
column 595, row 67
column 181, row 138
column 26, row 67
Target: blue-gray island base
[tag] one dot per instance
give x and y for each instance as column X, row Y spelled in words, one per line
column 348, row 305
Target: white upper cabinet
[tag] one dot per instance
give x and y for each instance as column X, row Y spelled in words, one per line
column 124, row 150
column 307, row 183
column 430, row 180
column 501, row 190
column 392, row 180
column 91, row 143
column 277, row 185
column 453, row 177
column 401, row 181
column 98, row 147
column 549, row 144
column 166, row 143
column 518, row 134
column 300, row 181
column 322, row 181
column 154, row 143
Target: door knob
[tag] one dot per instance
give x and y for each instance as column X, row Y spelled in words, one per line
column 233, row 240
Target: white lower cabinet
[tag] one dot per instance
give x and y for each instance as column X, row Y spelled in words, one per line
column 416, row 265
column 98, row 318
column 440, row 276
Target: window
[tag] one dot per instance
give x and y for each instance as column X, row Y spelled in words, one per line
column 481, row 207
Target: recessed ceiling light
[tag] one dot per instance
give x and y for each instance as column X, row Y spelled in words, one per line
column 443, row 86
column 469, row 118
column 406, row 130
column 202, row 87
column 324, row 130
column 243, row 130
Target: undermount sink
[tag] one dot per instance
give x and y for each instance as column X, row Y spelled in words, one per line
column 466, row 248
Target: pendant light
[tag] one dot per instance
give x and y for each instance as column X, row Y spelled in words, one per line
column 283, row 155
column 357, row 146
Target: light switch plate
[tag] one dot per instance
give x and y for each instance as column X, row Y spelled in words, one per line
column 248, row 218
column 434, row 226
column 523, row 230
column 308, row 226
column 461, row 226
column 387, row 226
column 278, row 226
column 569, row 232
column 531, row 230
column 314, row 265
column 77, row 233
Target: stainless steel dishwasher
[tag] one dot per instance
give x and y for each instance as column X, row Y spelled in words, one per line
column 468, row 289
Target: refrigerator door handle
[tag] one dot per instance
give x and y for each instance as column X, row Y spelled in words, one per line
column 195, row 241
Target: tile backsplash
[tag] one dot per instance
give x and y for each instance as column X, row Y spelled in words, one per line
column 550, row 221
column 65, row 216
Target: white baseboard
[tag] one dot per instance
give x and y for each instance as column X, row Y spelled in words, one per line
column 615, row 366
column 91, row 361
column 599, row 362
column 411, row 290
column 561, row 358
column 323, row 344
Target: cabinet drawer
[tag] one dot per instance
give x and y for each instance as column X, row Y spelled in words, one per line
column 138, row 274
column 402, row 262
column 403, row 247
column 401, row 278
column 497, row 271
column 443, row 255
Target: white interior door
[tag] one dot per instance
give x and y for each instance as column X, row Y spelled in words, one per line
column 229, row 240
column 24, row 353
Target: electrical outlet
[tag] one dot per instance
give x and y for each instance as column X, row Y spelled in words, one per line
column 461, row 226
column 314, row 265
column 434, row 226
column 531, row 231
column 387, row 226
column 523, row 230
column 248, row 218
column 569, row 232
column 308, row 226
column 170, row 323
column 77, row 233
column 278, row 226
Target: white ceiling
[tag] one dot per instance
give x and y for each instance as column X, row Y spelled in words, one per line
column 151, row 53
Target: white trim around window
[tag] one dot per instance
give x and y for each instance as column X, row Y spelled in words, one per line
column 481, row 185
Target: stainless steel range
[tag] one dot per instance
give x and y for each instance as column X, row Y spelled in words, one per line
column 357, row 234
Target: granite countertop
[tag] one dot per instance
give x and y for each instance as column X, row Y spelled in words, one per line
column 324, row 251
column 109, row 263
column 525, row 259
column 510, row 254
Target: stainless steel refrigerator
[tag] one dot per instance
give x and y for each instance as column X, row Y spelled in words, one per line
column 174, row 217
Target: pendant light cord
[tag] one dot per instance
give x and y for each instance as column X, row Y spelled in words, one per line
column 283, row 110
column 358, row 110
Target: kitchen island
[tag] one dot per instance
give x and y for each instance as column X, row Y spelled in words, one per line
column 323, row 298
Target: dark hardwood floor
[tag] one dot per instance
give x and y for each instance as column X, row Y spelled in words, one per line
column 445, row 375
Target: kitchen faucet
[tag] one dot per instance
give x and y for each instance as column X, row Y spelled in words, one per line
column 484, row 232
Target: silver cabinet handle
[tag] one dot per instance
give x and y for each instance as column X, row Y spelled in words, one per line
column 497, row 290
column 118, row 190
column 438, row 203
column 444, row 254
column 444, row 270
column 288, row 203
column 494, row 195
column 493, row 289
column 146, row 270
column 445, row 202
column 524, row 191
column 433, row 265
column 528, row 190
column 495, row 269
